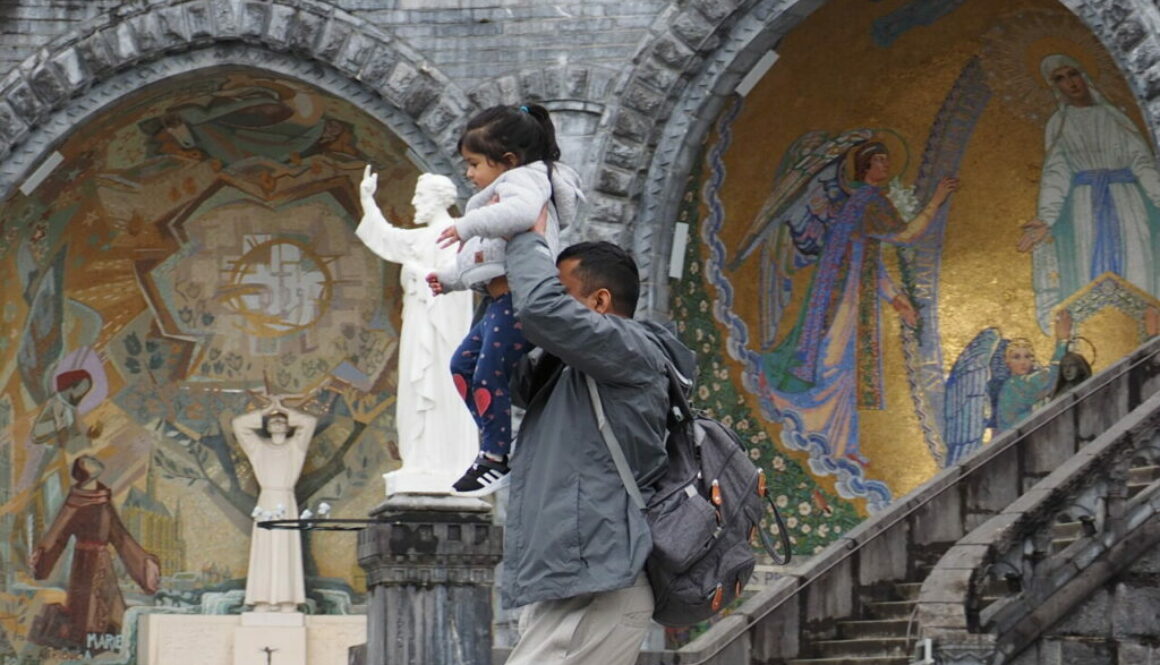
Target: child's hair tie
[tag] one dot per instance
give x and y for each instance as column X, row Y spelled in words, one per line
column 524, row 109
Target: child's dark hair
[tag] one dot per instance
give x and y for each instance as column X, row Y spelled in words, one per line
column 603, row 265
column 524, row 131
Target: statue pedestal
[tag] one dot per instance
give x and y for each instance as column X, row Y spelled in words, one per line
column 229, row 639
column 430, row 569
column 405, row 481
column 281, row 635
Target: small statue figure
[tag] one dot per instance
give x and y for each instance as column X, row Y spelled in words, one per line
column 275, row 440
column 437, row 437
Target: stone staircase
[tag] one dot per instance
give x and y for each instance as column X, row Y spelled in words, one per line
column 855, row 602
column 882, row 633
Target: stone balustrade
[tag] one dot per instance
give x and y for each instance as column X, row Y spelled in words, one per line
column 903, row 541
column 1000, row 586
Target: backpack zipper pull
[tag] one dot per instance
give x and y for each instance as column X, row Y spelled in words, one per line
column 761, row 482
column 715, row 493
column 718, row 596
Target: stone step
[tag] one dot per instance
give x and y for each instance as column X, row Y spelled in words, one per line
column 894, row 660
column 872, row 628
column 908, row 590
column 872, row 647
column 889, row 609
column 1141, row 477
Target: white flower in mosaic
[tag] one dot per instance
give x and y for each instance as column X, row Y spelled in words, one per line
column 703, row 305
column 791, row 522
column 837, row 528
column 703, row 392
column 716, row 386
column 743, row 423
column 762, row 435
column 782, row 501
column 754, row 453
column 804, row 508
column 778, row 461
column 727, row 420
column 824, row 530
column 699, row 335
column 806, row 528
column 817, row 548
column 680, row 326
column 792, row 540
column 694, row 268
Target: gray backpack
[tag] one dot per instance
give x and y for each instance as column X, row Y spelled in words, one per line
column 704, row 515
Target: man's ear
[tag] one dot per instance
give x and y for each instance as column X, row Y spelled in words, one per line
column 603, row 304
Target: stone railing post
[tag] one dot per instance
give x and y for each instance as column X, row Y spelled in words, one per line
column 430, row 565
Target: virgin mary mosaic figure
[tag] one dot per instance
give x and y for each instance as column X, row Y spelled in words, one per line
column 1099, row 194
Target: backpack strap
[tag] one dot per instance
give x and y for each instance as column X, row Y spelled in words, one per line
column 678, row 386
column 613, row 444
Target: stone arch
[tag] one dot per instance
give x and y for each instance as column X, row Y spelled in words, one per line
column 101, row 61
column 681, row 78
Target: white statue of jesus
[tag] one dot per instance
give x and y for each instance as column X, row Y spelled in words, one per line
column 275, row 440
column 437, row 437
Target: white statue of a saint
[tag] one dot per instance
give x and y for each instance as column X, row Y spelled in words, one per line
column 437, row 437
column 275, row 440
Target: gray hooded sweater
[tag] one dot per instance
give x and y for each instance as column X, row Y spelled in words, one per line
column 508, row 206
column 571, row 527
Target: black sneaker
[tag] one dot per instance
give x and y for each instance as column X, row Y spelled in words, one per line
column 484, row 477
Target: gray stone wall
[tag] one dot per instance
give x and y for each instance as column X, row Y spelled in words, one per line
column 633, row 83
column 1117, row 625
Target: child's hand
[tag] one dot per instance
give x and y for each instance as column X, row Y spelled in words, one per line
column 434, row 283
column 541, row 225
column 448, row 237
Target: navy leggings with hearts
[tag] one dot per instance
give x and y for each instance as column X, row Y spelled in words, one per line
column 482, row 367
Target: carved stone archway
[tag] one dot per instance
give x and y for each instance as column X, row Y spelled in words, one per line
column 680, row 79
column 76, row 75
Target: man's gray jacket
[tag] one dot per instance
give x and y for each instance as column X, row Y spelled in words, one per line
column 571, row 527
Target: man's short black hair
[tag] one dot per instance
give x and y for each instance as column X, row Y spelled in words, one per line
column 603, row 265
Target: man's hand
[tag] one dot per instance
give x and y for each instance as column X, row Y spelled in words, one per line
column 434, row 283
column 448, row 237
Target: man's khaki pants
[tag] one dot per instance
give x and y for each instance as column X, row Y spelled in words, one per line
column 595, row 629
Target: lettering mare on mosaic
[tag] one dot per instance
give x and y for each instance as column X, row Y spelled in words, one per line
column 194, row 247
column 865, row 312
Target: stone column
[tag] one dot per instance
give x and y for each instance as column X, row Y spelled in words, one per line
column 430, row 570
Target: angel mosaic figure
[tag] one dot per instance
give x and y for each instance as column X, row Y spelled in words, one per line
column 995, row 383
column 832, row 210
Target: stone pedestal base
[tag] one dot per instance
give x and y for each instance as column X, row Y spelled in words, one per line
column 404, row 481
column 264, row 635
column 430, row 569
column 200, row 639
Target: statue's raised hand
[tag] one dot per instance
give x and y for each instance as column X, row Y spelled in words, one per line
column 369, row 184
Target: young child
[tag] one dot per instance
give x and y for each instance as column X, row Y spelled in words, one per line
column 511, row 156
